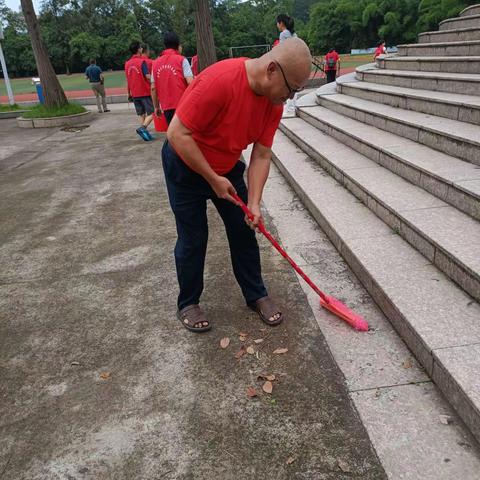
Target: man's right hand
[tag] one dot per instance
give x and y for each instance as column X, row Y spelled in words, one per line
column 223, row 188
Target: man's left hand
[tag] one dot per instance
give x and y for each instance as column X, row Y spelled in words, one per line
column 257, row 216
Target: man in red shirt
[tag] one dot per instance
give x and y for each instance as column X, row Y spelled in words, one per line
column 171, row 74
column 332, row 65
column 138, row 85
column 230, row 105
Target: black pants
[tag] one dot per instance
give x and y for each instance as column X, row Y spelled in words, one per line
column 169, row 115
column 331, row 75
column 188, row 193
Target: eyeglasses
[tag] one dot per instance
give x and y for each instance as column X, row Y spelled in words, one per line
column 292, row 91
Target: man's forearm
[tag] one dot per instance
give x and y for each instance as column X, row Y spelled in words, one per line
column 257, row 176
column 154, row 97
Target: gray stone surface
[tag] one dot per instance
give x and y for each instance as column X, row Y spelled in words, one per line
column 426, row 448
column 453, row 35
column 399, row 418
column 470, row 21
column 432, row 64
column 471, row 10
column 467, row 84
column 90, row 288
column 426, row 308
column 450, row 136
column 441, row 49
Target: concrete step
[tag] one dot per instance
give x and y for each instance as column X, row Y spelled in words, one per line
column 457, row 35
column 441, row 49
column 460, row 22
column 436, row 328
column 472, row 10
column 431, row 64
column 452, row 180
column 468, row 84
column 417, row 215
column 465, row 108
column 459, row 139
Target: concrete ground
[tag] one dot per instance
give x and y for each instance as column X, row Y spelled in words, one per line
column 99, row 380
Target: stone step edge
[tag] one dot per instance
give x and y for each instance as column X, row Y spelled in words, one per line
column 466, row 278
column 458, row 43
column 417, row 126
column 410, row 170
column 377, row 88
column 467, row 9
column 430, row 59
column 457, row 19
column 448, row 385
column 445, row 76
column 453, row 30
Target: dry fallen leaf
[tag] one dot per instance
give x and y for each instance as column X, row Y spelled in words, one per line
column 279, row 351
column 251, row 392
column 105, row 375
column 407, row 364
column 271, row 378
column 250, row 350
column 241, row 352
column 267, row 387
column 224, row 342
column 241, row 338
column 258, row 340
column 290, row 460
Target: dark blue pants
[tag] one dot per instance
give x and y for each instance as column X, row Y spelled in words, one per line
column 188, row 193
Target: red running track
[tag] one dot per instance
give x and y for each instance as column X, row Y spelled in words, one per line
column 28, row 97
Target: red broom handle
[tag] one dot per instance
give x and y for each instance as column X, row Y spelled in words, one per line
column 282, row 252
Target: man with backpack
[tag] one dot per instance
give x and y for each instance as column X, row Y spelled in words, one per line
column 332, row 65
column 138, row 85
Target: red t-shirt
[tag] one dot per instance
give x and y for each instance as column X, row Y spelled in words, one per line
column 225, row 115
column 334, row 56
column 379, row 51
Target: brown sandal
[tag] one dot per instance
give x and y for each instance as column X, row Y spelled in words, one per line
column 191, row 316
column 266, row 309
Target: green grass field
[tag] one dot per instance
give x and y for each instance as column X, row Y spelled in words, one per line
column 77, row 81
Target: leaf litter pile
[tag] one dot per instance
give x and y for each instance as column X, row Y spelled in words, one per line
column 253, row 348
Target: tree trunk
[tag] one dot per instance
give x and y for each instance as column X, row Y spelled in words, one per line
column 203, row 27
column 52, row 90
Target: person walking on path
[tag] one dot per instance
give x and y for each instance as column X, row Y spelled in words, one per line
column 138, row 86
column 230, row 105
column 171, row 74
column 332, row 65
column 147, row 55
column 94, row 75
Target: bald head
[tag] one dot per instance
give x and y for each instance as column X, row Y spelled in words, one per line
column 294, row 56
column 282, row 71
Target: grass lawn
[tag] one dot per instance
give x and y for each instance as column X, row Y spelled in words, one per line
column 40, row 111
column 11, row 108
column 76, row 81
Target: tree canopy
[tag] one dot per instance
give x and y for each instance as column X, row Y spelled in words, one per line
column 76, row 30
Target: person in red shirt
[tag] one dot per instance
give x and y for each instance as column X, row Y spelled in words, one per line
column 138, row 86
column 380, row 50
column 231, row 104
column 171, row 74
column 332, row 65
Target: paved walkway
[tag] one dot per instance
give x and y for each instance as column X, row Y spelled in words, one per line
column 98, row 378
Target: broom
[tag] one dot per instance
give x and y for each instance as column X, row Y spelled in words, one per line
column 329, row 303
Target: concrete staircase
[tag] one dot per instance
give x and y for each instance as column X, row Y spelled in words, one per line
column 388, row 163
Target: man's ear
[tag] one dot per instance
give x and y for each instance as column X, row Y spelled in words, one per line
column 271, row 69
